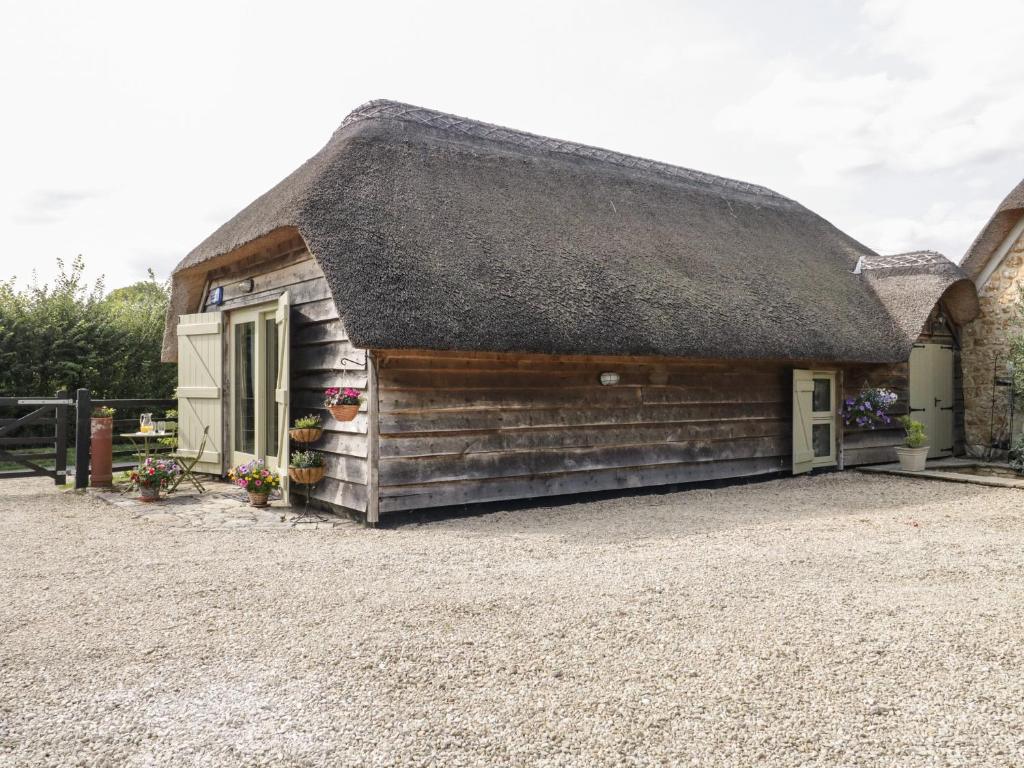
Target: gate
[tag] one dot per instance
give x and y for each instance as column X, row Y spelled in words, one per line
column 30, row 441
column 22, row 450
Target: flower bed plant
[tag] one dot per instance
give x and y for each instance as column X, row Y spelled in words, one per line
column 154, row 471
column 306, row 429
column 303, row 459
column 312, row 421
column 103, row 412
column 256, row 479
column 306, row 467
column 915, row 436
column 870, row 408
column 153, row 474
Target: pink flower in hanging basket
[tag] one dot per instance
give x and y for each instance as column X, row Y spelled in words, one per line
column 336, row 396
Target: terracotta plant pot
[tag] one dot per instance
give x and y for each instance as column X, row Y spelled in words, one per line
column 306, row 475
column 343, row 412
column 149, row 493
column 101, row 451
column 912, row 459
column 258, row 499
column 305, row 435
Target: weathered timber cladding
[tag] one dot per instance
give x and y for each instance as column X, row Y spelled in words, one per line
column 321, row 356
column 875, row 446
column 461, row 427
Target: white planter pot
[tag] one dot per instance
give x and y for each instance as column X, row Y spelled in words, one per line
column 912, row 459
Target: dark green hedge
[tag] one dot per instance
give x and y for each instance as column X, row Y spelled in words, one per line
column 72, row 334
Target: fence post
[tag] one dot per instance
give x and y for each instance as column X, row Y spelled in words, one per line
column 60, row 438
column 83, row 411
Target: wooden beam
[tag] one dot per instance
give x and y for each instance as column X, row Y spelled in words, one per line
column 373, row 447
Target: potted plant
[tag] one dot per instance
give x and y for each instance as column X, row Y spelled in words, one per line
column 306, row 467
column 152, row 474
column 914, row 451
column 256, row 479
column 342, row 403
column 101, row 450
column 306, row 429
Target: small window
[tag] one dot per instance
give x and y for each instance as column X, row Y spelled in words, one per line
column 821, row 400
column 821, row 440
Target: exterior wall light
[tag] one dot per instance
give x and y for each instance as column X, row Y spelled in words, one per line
column 609, row 378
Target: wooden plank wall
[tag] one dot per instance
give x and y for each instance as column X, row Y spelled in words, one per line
column 321, row 356
column 875, row 446
column 463, row 427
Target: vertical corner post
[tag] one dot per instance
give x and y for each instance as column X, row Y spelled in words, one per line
column 83, row 411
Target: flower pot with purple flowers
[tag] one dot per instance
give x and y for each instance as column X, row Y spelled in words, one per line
column 869, row 409
column 152, row 474
column 255, row 479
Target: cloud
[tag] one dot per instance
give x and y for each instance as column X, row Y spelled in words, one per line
column 931, row 91
column 943, row 226
column 51, row 205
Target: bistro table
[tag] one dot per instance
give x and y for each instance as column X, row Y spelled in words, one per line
column 145, row 437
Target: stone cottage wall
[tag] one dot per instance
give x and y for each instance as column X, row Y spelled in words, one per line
column 985, row 341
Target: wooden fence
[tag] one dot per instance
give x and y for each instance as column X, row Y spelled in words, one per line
column 37, row 443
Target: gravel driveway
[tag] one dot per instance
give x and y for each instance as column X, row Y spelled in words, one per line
column 842, row 620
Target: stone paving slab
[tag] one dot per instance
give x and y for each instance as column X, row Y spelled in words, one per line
column 222, row 507
column 946, row 471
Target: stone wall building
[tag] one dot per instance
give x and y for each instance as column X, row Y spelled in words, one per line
column 995, row 262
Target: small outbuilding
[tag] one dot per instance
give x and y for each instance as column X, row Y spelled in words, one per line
column 995, row 262
column 530, row 317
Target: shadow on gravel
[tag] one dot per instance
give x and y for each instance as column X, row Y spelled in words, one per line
column 694, row 509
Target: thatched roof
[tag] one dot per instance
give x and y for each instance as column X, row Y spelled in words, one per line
column 911, row 283
column 438, row 232
column 994, row 232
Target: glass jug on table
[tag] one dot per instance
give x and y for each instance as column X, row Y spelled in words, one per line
column 146, row 423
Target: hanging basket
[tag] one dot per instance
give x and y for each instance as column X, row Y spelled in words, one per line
column 305, row 435
column 258, row 499
column 306, row 475
column 149, row 493
column 343, row 412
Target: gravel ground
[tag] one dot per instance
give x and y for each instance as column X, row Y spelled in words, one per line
column 842, row 620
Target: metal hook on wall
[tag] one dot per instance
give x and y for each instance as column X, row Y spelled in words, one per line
column 361, row 363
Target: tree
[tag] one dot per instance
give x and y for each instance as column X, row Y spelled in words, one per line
column 71, row 335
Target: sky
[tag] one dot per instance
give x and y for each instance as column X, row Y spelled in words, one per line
column 133, row 130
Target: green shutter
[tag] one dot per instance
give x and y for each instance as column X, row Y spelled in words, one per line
column 200, row 381
column 803, row 451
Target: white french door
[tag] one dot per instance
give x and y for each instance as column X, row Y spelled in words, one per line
column 258, row 351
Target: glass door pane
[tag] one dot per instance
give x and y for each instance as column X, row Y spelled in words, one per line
column 821, row 400
column 245, row 388
column 271, row 359
column 821, row 440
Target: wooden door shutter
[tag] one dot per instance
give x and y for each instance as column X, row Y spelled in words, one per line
column 922, row 386
column 280, row 393
column 200, row 383
column 943, row 400
column 803, row 451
